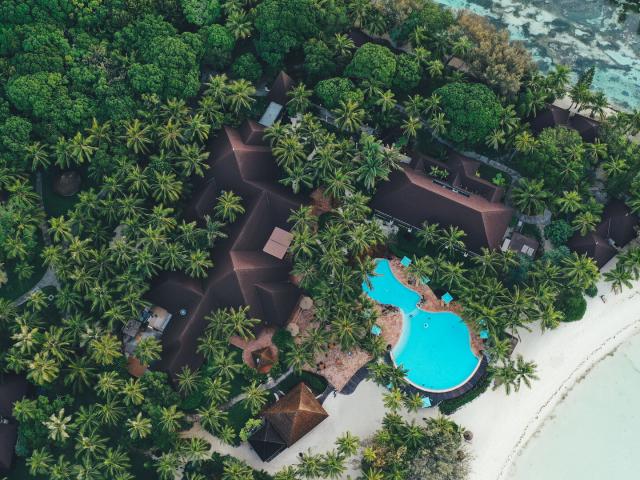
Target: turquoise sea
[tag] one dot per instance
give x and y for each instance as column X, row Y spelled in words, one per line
column 593, row 433
column 577, row 33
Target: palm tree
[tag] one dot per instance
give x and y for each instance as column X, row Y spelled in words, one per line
column 525, row 372
column 550, row 318
column 451, row 239
column 332, row 465
column 349, row 116
column 619, row 277
column 348, row 444
column 139, row 427
column 59, row 426
column 212, row 418
column 505, row 375
column 569, row 202
column 435, row 68
column 235, row 469
column 289, row 151
column 239, row 25
column 438, row 123
column 585, row 222
column 39, row 462
column 495, row 139
column 240, row 95
column 193, row 159
column 414, row 402
column 297, row 177
column 343, row 45
column 188, row 380
column 310, row 466
column 229, row 206
column 580, row 270
column 525, row 142
column 385, row 100
column 338, row 185
column 167, row 465
column 137, row 136
column 148, row 350
column 452, row 273
column 410, row 126
column 37, row 155
column 529, row 196
column 81, row 149
column 429, row 234
column 255, row 397
column 225, row 364
column 43, row 369
column 299, row 99
column 393, row 399
column 166, row 188
column 298, row 357
column 488, row 262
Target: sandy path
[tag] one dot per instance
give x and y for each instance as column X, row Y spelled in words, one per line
column 503, row 424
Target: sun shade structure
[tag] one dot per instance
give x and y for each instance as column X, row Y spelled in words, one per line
column 484, row 334
column 447, row 298
column 405, row 262
column 278, row 243
column 295, row 414
column 426, row 402
column 376, row 330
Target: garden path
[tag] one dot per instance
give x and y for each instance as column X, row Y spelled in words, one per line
column 49, row 279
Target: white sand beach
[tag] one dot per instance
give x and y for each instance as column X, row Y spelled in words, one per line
column 503, row 424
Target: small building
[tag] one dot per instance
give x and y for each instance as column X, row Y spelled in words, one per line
column 264, row 358
column 523, row 244
column 12, row 389
column 287, row 421
column 617, row 228
column 555, row 116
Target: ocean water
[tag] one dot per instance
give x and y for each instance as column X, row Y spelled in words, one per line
column 577, row 33
column 593, row 433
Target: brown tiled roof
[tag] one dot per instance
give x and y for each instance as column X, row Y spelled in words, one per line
column 8, row 437
column 278, row 90
column 266, row 442
column 518, row 241
column 618, row 224
column 554, row 116
column 242, row 274
column 12, row 389
column 295, row 414
column 264, row 358
column 413, row 197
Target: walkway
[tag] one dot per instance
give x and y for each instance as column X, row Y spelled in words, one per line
column 49, row 279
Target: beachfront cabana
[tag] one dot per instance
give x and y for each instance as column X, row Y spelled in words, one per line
column 447, row 298
column 405, row 262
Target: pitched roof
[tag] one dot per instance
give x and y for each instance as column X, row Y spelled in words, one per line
column 12, row 389
column 242, row 274
column 618, row 224
column 278, row 90
column 264, row 358
column 266, row 442
column 8, row 437
column 413, row 197
column 555, row 116
column 295, row 414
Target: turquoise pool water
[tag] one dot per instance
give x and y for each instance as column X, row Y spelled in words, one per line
column 435, row 347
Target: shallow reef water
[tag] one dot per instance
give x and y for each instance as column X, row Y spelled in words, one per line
column 577, row 33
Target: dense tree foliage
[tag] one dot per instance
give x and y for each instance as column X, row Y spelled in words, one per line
column 471, row 110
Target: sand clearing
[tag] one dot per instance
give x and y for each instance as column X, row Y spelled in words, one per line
column 503, row 424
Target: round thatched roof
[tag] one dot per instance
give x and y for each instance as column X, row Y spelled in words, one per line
column 67, row 183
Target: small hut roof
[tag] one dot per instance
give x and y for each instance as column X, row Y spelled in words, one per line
column 295, row 414
column 67, row 184
column 264, row 358
column 266, row 442
column 278, row 91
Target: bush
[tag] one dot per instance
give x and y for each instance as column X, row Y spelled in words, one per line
column 201, row 12
column 374, row 63
column 472, row 110
column 283, row 340
column 572, row 304
column 332, row 90
column 558, row 232
column 247, row 66
column 318, row 60
column 408, row 74
column 447, row 407
column 592, row 291
column 218, row 44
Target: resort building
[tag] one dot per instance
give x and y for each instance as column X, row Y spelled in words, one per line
column 250, row 266
column 287, row 421
column 554, row 116
column 618, row 227
column 455, row 197
column 12, row 389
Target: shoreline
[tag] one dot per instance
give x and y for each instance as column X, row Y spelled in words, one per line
column 503, row 425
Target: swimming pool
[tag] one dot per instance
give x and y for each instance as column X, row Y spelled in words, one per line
column 434, row 347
